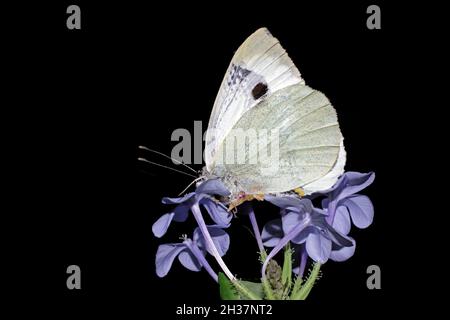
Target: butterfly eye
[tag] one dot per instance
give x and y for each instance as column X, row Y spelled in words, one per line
column 259, row 90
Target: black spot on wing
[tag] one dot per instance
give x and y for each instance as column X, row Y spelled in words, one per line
column 259, row 90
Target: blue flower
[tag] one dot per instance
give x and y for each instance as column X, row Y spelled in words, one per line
column 203, row 195
column 302, row 223
column 191, row 253
column 326, row 235
column 343, row 202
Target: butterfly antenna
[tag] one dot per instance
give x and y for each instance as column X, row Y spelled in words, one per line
column 190, row 184
column 166, row 156
column 160, row 165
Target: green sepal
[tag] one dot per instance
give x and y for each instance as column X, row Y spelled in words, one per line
column 305, row 289
column 239, row 289
column 286, row 275
column 227, row 289
column 254, row 287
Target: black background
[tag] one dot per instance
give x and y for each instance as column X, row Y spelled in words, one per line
column 87, row 98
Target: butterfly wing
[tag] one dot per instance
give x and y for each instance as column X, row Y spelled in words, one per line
column 306, row 149
column 259, row 68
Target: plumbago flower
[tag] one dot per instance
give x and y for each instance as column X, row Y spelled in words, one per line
column 343, row 202
column 191, row 253
column 322, row 233
column 302, row 231
column 203, row 196
column 302, row 223
column 326, row 232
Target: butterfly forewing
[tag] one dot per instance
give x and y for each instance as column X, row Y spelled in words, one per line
column 259, row 68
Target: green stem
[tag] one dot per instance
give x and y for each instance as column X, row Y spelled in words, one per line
column 262, row 256
column 267, row 289
column 304, row 291
column 269, row 295
column 297, row 285
column 286, row 276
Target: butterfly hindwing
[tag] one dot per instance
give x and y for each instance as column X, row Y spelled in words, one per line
column 308, row 138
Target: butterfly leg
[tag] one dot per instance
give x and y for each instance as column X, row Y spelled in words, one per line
column 244, row 197
column 259, row 196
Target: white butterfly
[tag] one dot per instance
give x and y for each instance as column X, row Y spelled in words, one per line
column 262, row 89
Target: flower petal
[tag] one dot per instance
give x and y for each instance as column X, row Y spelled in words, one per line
column 189, row 261
column 341, row 222
column 217, row 211
column 361, row 210
column 299, row 259
column 290, row 220
column 213, row 186
column 337, row 237
column 220, row 238
column 303, row 235
column 293, row 216
column 283, row 242
column 319, row 220
column 167, row 200
column 352, row 183
column 325, row 202
column 165, row 255
column 318, row 247
column 272, row 233
column 343, row 253
column 161, row 225
column 181, row 212
column 284, row 201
